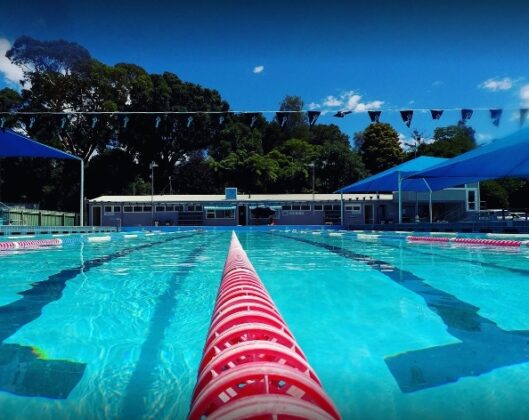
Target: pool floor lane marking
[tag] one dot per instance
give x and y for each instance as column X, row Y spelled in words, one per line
column 22, row 372
column 144, row 375
column 484, row 346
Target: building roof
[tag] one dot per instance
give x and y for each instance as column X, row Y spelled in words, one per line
column 252, row 198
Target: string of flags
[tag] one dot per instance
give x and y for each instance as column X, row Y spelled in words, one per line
column 281, row 117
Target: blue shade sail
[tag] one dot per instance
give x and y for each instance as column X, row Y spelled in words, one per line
column 16, row 145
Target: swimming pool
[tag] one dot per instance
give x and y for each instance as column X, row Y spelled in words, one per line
column 394, row 330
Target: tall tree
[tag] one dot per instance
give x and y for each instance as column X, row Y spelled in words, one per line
column 379, row 147
column 449, row 141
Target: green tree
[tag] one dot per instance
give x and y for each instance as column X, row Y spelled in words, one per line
column 449, row 141
column 379, row 147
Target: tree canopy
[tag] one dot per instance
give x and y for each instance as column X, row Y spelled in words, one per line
column 195, row 152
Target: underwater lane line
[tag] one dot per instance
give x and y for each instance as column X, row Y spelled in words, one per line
column 484, row 346
column 22, row 372
column 144, row 375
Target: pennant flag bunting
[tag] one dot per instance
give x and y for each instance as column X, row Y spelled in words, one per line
column 436, row 114
column 189, row 121
column 406, row 116
column 221, row 119
column 157, row 122
column 94, row 121
column 466, row 114
column 313, row 117
column 523, row 115
column 2, row 122
column 282, row 118
column 32, row 121
column 341, row 114
column 64, row 120
column 495, row 115
column 125, row 121
column 374, row 116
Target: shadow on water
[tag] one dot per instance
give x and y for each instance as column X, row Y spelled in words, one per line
column 145, row 372
column 22, row 371
column 484, row 346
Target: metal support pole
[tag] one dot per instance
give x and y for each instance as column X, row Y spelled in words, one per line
column 341, row 210
column 400, row 198
column 152, row 166
column 81, row 207
column 430, row 201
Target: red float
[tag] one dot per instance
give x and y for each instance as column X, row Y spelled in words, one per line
column 251, row 365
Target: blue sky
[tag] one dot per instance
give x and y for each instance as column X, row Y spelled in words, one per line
column 386, row 55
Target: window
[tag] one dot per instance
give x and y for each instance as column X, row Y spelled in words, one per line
column 331, row 207
column 193, row 207
column 471, row 200
column 127, row 209
column 138, row 209
column 147, row 208
column 108, row 210
column 159, row 208
column 286, row 207
column 117, row 209
column 355, row 208
column 220, row 214
column 169, row 207
column 305, row 207
column 179, row 207
column 318, row 207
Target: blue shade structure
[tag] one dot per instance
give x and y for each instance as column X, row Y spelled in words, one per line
column 13, row 144
column 388, row 180
column 16, row 145
column 397, row 179
column 507, row 157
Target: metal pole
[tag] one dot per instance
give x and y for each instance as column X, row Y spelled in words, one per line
column 430, row 203
column 313, row 181
column 341, row 210
column 81, row 208
column 152, row 166
column 170, row 185
column 400, row 198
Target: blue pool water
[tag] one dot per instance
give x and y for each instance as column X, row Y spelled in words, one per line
column 394, row 330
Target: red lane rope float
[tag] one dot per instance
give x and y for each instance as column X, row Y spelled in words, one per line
column 469, row 241
column 31, row 244
column 251, row 365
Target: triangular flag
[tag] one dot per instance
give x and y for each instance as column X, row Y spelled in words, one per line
column 189, row 121
column 221, row 119
column 495, row 115
column 313, row 117
column 341, row 114
column 466, row 114
column 252, row 117
column 282, row 118
column 126, row 120
column 436, row 113
column 374, row 116
column 406, row 116
column 523, row 115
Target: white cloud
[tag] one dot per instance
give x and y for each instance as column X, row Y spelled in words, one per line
column 348, row 100
column 495, row 85
column 12, row 73
column 332, row 101
column 524, row 95
column 438, row 83
column 258, row 69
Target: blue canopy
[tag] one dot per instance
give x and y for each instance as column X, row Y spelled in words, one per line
column 16, row 145
column 389, row 179
column 506, row 157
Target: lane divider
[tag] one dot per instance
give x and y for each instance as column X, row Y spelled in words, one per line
column 469, row 241
column 252, row 366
